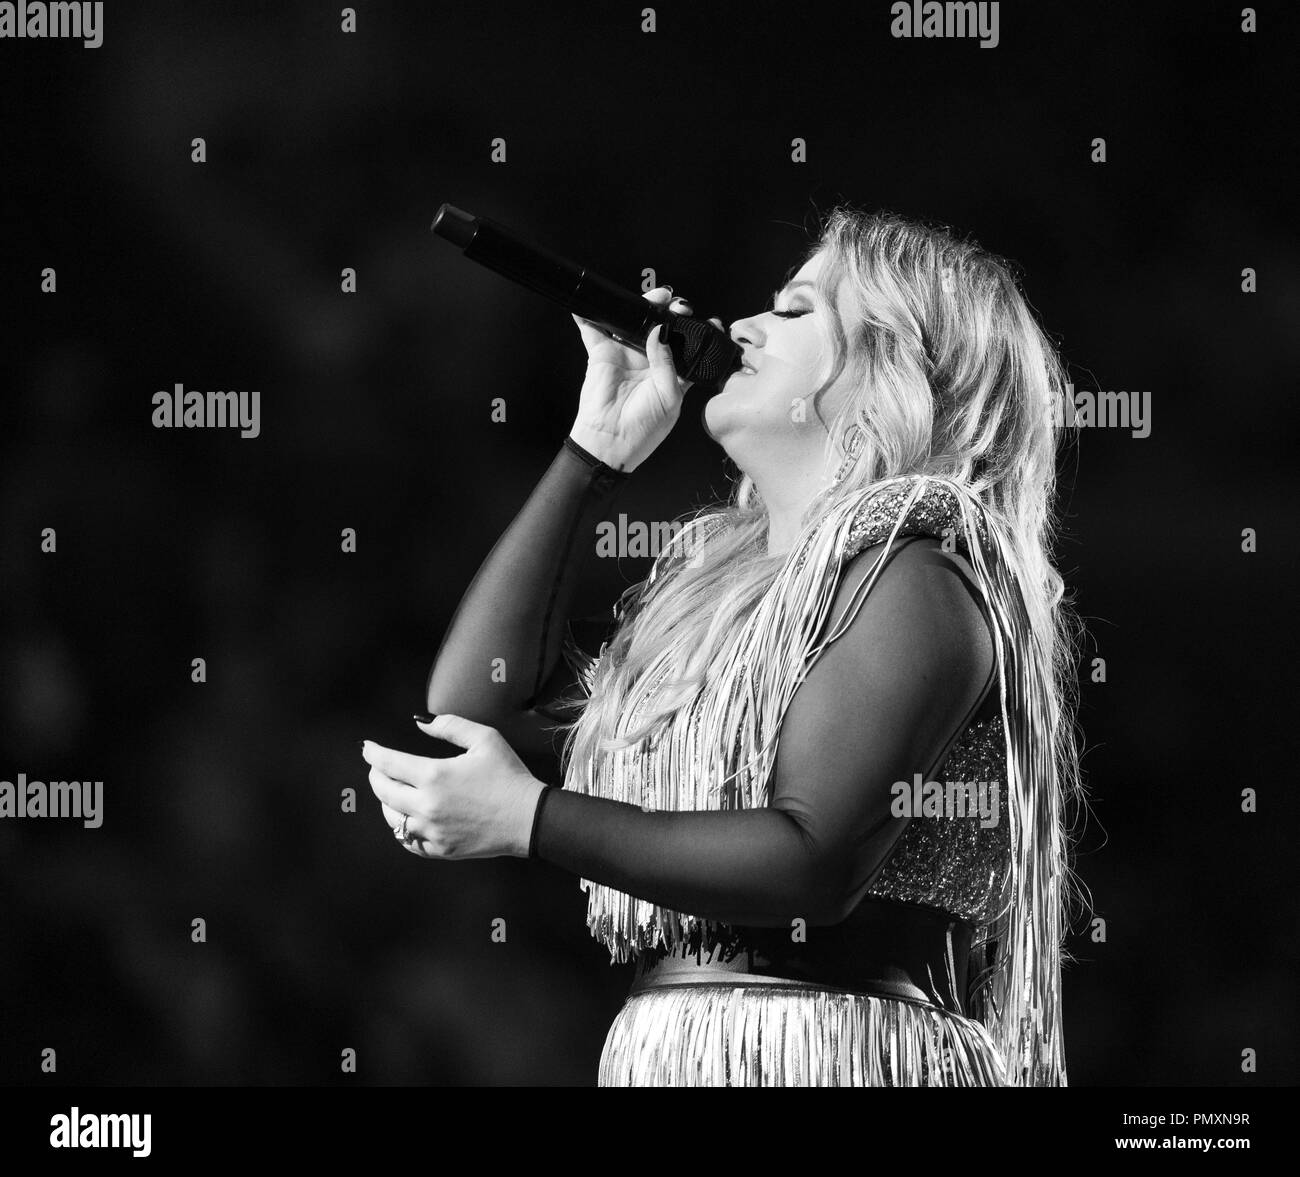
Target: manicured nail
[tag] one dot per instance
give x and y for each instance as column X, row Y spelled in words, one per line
column 424, row 717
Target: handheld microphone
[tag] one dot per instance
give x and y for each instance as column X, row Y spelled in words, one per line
column 701, row 352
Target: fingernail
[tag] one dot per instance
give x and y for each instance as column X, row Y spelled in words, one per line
column 668, row 288
column 424, row 717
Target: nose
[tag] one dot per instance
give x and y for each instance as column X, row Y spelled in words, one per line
column 746, row 331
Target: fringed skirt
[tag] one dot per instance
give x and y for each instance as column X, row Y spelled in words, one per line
column 715, row 1034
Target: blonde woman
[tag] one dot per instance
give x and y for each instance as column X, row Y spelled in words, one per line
column 815, row 777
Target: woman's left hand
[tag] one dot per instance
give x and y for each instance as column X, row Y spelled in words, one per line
column 476, row 805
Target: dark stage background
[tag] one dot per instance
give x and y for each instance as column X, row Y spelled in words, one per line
column 669, row 150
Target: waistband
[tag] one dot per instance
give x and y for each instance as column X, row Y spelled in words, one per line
column 899, row 990
column 884, row 949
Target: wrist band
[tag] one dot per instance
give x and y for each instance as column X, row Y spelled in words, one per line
column 537, row 813
column 594, row 462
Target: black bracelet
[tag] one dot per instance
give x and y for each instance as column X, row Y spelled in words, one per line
column 594, row 462
column 537, row 814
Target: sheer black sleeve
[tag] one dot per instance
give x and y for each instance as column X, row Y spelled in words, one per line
column 501, row 658
column 884, row 701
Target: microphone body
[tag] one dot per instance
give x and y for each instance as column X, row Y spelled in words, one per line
column 701, row 353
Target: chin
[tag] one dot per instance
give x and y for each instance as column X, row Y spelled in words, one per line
column 719, row 415
column 740, row 405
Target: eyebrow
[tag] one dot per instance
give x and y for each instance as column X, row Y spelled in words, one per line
column 789, row 286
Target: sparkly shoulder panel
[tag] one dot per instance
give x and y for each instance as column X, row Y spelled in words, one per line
column 956, row 851
column 936, row 511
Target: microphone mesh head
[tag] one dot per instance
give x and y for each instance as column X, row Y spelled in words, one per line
column 701, row 352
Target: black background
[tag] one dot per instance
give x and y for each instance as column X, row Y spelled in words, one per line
column 626, row 150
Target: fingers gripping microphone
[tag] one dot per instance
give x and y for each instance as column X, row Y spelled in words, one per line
column 701, row 352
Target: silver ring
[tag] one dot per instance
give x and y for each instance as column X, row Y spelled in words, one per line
column 399, row 831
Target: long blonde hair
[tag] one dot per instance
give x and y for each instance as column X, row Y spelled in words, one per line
column 952, row 377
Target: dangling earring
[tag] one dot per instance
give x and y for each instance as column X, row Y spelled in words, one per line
column 851, row 443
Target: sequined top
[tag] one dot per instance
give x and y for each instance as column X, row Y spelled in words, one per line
column 956, row 851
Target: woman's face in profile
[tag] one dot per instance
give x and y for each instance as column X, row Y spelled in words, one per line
column 787, row 352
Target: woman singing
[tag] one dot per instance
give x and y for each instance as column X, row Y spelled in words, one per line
column 815, row 778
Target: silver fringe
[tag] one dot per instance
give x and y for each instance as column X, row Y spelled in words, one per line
column 720, row 1035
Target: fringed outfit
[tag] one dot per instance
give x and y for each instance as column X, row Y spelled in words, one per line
column 863, row 1025
column 945, row 972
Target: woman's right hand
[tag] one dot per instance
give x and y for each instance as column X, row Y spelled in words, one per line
column 629, row 402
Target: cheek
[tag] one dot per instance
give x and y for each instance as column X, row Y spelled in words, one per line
column 790, row 381
column 818, row 360
column 798, row 367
